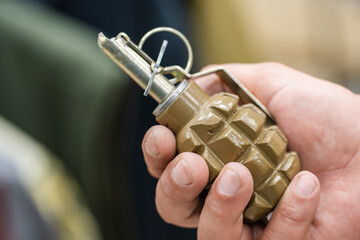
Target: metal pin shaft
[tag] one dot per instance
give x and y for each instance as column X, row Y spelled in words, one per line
column 157, row 64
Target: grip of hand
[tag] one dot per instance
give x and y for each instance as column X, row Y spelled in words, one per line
column 221, row 131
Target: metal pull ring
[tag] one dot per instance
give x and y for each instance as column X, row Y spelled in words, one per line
column 177, row 33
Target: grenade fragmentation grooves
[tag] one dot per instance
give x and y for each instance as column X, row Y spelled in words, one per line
column 221, row 131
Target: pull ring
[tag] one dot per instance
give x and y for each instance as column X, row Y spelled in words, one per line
column 177, row 33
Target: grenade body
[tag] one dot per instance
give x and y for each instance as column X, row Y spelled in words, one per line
column 221, row 131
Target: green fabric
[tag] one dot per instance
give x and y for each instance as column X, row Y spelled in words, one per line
column 57, row 86
column 54, row 194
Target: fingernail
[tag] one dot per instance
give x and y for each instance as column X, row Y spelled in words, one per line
column 229, row 183
column 181, row 174
column 305, row 185
column 151, row 145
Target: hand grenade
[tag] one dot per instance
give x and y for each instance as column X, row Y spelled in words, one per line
column 215, row 127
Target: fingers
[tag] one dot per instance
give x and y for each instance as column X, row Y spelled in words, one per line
column 211, row 84
column 177, row 192
column 296, row 210
column 222, row 214
column 159, row 148
column 264, row 80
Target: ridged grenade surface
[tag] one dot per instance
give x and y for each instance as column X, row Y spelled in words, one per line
column 222, row 132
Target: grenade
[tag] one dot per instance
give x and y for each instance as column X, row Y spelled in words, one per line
column 216, row 127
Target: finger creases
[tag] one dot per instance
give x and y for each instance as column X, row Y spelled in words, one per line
column 178, row 189
column 222, row 214
column 296, row 210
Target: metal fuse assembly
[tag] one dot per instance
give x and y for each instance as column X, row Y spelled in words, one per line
column 215, row 127
column 136, row 64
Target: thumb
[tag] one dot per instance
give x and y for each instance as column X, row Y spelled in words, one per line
column 296, row 210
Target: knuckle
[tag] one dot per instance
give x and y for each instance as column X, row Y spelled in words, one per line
column 163, row 199
column 268, row 69
column 291, row 214
column 173, row 210
column 163, row 213
column 271, row 66
column 216, row 209
column 209, row 66
column 167, row 189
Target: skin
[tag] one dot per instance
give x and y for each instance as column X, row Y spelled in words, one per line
column 321, row 122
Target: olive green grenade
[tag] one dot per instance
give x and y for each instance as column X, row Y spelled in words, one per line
column 215, row 127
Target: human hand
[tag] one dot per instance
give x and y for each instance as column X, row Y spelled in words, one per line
column 320, row 121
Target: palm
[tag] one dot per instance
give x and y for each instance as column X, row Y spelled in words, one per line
column 319, row 120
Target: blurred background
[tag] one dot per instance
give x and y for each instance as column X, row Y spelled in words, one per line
column 71, row 122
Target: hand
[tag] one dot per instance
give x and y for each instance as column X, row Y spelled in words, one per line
column 321, row 122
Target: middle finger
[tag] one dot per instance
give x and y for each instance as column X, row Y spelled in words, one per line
column 178, row 189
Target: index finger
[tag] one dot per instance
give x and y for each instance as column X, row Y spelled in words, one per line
column 264, row 80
